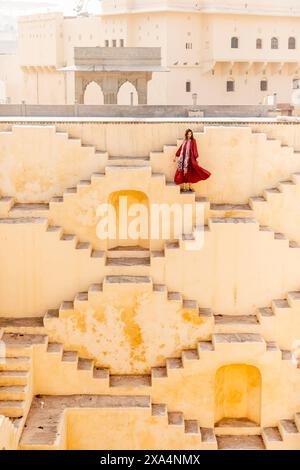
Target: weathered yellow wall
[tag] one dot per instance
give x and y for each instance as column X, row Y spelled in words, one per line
column 129, row 328
column 39, row 269
column 37, row 163
column 132, row 429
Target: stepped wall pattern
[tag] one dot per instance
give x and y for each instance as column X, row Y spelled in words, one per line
column 160, row 343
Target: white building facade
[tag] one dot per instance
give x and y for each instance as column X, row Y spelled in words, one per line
column 217, row 52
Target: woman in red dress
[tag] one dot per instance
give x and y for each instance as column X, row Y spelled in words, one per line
column 188, row 170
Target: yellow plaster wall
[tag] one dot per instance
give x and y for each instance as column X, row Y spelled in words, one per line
column 38, row 163
column 38, row 270
column 129, row 328
column 239, row 268
column 132, row 429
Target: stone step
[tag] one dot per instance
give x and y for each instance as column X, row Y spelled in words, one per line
column 13, row 392
column 189, row 355
column 272, row 438
column 160, row 288
column 69, row 238
column 81, row 298
column 128, row 268
column 29, row 210
column 174, row 363
column 55, row 348
column 208, row 436
column 27, row 325
column 236, row 324
column 128, row 161
column 236, row 427
column 287, row 428
column 175, row 419
column 130, row 381
column 225, row 342
column 95, row 290
column 159, row 410
column 126, row 261
column 255, row 201
column 204, row 348
column 21, row 339
column 205, row 313
column 85, row 364
column 97, row 177
column 286, row 185
column 265, row 312
column 191, row 426
column 66, row 308
column 142, row 170
column 111, row 281
column 20, row 344
column 15, row 363
column 12, row 408
column 270, row 193
column 293, row 298
column 70, row 357
column 84, row 246
column 102, row 374
column 13, row 377
column 235, row 319
column 190, row 305
column 25, row 221
column 279, row 304
column 231, row 210
column 175, row 297
column 51, row 314
column 240, row 443
column 128, row 252
column 159, row 373
column 231, row 220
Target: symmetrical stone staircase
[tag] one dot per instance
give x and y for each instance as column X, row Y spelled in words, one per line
column 32, row 355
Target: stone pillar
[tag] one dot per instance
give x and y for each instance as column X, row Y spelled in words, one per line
column 79, row 91
column 141, row 88
column 110, row 90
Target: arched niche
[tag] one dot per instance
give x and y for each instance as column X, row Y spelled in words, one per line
column 131, row 207
column 237, row 393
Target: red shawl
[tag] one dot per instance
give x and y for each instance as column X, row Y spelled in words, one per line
column 195, row 172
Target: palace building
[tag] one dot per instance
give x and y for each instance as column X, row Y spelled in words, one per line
column 211, row 51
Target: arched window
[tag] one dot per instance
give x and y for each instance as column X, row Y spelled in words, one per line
column 234, row 43
column 292, row 43
column 274, row 43
column 258, row 43
column 296, row 84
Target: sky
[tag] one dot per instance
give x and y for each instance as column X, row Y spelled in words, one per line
column 16, row 7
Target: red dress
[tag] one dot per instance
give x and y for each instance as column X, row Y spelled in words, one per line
column 188, row 170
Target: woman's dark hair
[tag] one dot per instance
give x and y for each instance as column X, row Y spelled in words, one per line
column 186, row 134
